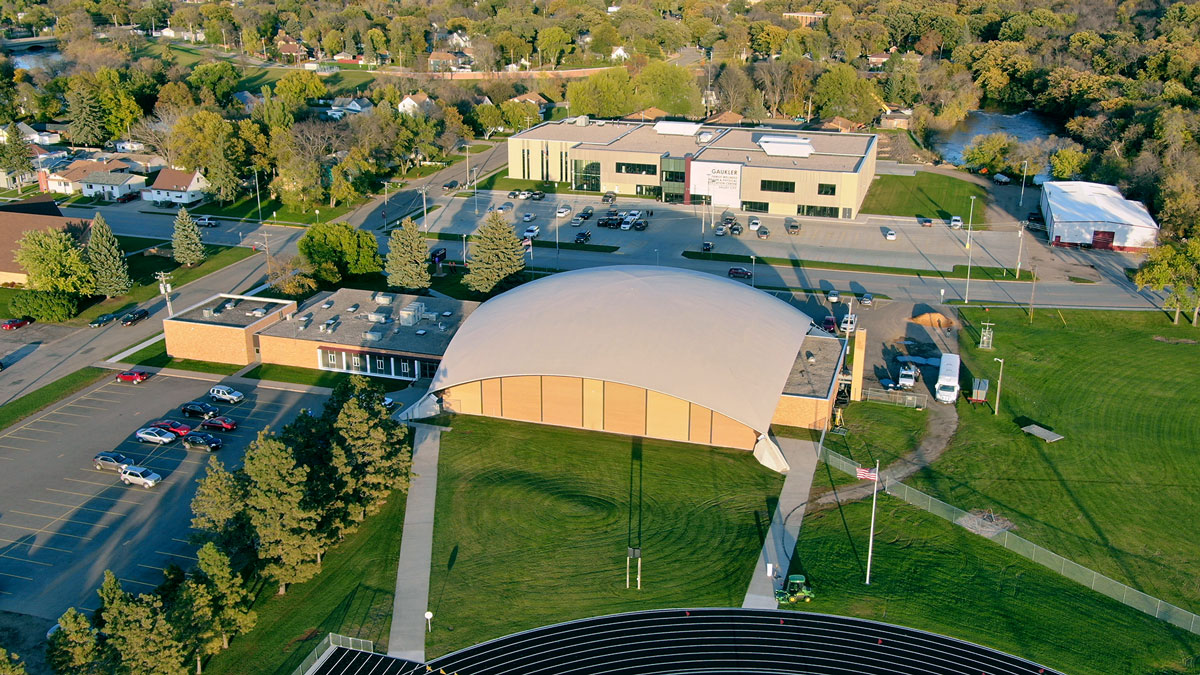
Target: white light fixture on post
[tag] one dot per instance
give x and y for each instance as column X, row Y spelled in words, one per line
column 999, row 383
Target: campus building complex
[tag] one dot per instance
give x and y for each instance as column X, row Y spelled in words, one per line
column 796, row 173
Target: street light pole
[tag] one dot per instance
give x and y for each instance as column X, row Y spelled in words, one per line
column 424, row 190
column 1020, row 248
column 753, row 268
column 257, row 198
column 999, row 382
column 970, row 222
column 164, row 287
column 1024, row 165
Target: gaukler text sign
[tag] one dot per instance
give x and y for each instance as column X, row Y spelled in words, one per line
column 719, row 180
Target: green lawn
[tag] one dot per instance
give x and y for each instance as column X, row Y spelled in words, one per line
column 6, row 295
column 533, row 523
column 351, row 596
column 958, row 272
column 311, row 376
column 926, row 195
column 930, row 574
column 131, row 244
column 155, row 356
column 1116, row 495
column 876, row 431
column 30, row 403
column 19, row 193
column 246, row 208
column 253, row 78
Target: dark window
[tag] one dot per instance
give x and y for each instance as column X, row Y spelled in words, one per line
column 639, row 169
column 777, row 186
column 756, row 207
column 649, row 190
column 826, row 189
column 701, row 199
column 587, row 175
column 817, row 211
column 673, row 176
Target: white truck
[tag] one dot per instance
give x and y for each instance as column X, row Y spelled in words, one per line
column 909, row 374
column 947, row 383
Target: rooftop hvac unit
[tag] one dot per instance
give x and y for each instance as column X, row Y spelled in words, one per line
column 599, row 123
column 376, row 317
column 422, row 331
column 257, row 311
column 428, row 316
column 447, row 313
column 372, row 336
column 329, row 325
column 231, row 304
column 581, row 121
column 383, row 299
column 704, row 137
column 207, row 312
column 408, row 317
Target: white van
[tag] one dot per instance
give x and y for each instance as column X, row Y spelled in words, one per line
column 947, row 383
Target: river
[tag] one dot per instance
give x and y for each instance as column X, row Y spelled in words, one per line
column 36, row 60
column 1024, row 126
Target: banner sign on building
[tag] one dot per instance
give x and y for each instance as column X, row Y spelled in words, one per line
column 721, row 181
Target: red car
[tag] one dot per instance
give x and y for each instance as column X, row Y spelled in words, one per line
column 172, row 426
column 13, row 324
column 134, row 376
column 220, row 423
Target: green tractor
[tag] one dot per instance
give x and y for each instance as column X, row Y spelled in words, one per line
column 794, row 590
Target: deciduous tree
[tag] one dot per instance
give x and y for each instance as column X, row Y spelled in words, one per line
column 489, row 119
column 407, row 263
column 496, row 255
column 53, row 261
column 841, row 92
column 107, row 260
column 1169, row 267
column 298, row 86
column 350, row 250
column 185, row 240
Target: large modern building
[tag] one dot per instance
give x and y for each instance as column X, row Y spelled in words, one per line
column 808, row 173
column 1078, row 213
column 645, row 351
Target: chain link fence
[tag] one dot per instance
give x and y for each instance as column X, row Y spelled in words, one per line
column 908, row 399
column 1114, row 589
column 331, row 640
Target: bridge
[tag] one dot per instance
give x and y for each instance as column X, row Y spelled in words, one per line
column 28, row 45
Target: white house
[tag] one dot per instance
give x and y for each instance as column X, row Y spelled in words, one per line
column 68, row 180
column 415, row 104
column 619, row 54
column 179, row 187
column 32, row 135
column 113, row 186
column 458, row 40
column 351, row 105
column 181, row 34
column 1096, row 215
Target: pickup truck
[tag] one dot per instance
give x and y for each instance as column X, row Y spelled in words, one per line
column 909, row 375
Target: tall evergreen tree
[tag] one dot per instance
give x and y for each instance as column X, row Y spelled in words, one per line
column 10, row 664
column 192, row 614
column 86, row 115
column 378, row 450
column 219, row 506
column 74, row 648
column 109, row 269
column 231, row 601
column 15, row 154
column 142, row 639
column 407, row 262
column 189, row 249
column 496, row 255
column 284, row 524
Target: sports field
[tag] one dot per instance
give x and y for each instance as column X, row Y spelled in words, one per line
column 1119, row 493
column 533, row 523
column 926, row 195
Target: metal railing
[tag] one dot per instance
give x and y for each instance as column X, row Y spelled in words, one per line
column 1100, row 583
column 908, row 399
column 329, row 641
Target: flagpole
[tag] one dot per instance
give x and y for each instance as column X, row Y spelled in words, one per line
column 871, row 543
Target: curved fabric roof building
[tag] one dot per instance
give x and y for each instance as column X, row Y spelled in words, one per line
column 631, row 349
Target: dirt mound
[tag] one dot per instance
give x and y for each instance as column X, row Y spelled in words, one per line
column 933, row 320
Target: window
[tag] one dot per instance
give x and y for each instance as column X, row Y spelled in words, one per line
column 404, row 367
column 587, row 176
column 379, row 363
column 648, row 191
column 756, row 207
column 817, row 211
column 827, row 189
column 639, row 169
column 777, row 186
column 354, row 360
column 673, row 176
column 331, row 357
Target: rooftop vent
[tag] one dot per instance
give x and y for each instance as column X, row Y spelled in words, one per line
column 383, row 299
column 705, row 137
column 207, row 311
column 447, row 313
column 600, row 123
column 581, row 121
column 352, row 308
column 257, row 311
column 786, row 146
column 327, row 304
column 230, row 305
column 288, row 316
column 422, row 331
column 372, row 336
column 302, row 325
column 376, row 317
column 329, row 325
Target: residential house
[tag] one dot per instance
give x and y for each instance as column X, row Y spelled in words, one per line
column 129, row 146
column 175, row 186
column 137, row 162
column 17, row 218
column 619, row 54
column 113, row 186
column 535, row 98
column 182, row 34
column 440, row 61
column 10, row 180
column 839, row 124
column 346, row 57
column 876, row 61
column 44, row 158
column 290, row 48
column 68, row 180
column 248, row 100
column 351, row 105
column 458, row 41
column 805, row 19
column 417, row 103
column 31, row 135
column 482, row 99
column 895, row 120
column 725, row 119
column 650, row 114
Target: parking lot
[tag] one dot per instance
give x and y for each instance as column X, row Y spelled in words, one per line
column 62, row 522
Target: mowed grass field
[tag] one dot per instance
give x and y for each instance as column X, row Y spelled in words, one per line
column 876, row 431
column 933, row 575
column 926, row 195
column 1119, row 493
column 533, row 523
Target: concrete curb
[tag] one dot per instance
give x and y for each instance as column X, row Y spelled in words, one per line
column 136, row 348
column 223, row 379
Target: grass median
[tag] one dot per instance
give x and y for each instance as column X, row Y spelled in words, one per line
column 155, row 356
column 959, row 272
column 20, row 408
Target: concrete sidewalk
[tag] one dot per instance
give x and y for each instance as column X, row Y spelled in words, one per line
column 785, row 523
column 407, row 637
column 217, row 378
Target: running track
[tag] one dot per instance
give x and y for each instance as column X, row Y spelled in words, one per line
column 704, row 641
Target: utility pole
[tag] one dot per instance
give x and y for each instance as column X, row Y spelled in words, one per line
column 970, row 222
column 424, row 190
column 164, row 287
column 267, row 249
column 1023, row 167
column 257, row 198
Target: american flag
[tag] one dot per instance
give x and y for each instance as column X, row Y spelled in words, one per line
column 865, row 474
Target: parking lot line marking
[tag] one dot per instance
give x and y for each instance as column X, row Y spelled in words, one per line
column 32, row 545
column 13, row 447
column 62, row 518
column 177, row 555
column 48, row 431
column 152, row 567
column 133, row 581
column 80, row 508
column 76, row 480
column 5, row 457
column 5, row 593
column 32, row 562
column 59, row 412
column 80, row 405
column 44, row 531
column 35, row 440
column 182, row 541
column 96, row 496
column 16, row 576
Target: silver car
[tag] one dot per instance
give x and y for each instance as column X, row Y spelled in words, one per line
column 154, row 435
column 137, row 475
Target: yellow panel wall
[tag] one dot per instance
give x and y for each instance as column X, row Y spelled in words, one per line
column 593, row 404
column 732, row 434
column 521, row 398
column 491, row 397
column 562, row 400
column 801, row 411
column 666, row 416
column 206, row 342
column 700, row 425
column 624, row 409
column 465, row 398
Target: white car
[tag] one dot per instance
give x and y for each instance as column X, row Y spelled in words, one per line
column 956, row 222
column 755, row 223
column 227, row 394
column 563, row 210
column 533, row 231
column 524, row 194
column 154, row 435
column 205, row 221
column 834, row 296
column 528, row 217
column 137, row 475
column 890, row 235
column 849, row 323
column 634, row 214
column 627, row 224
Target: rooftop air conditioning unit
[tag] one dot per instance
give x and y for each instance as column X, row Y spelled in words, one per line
column 705, row 137
column 447, row 313
column 329, row 325
column 383, row 299
column 408, row 317
column 258, row 311
column 231, row 304
column 322, row 328
column 376, row 317
column 207, row 311
column 372, row 336
column 581, row 121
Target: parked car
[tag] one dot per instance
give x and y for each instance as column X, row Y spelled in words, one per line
column 740, row 273
column 792, row 225
column 609, row 197
column 528, row 217
column 137, row 475
column 576, row 221
column 956, row 223
column 829, row 324
column 728, row 219
column 449, row 185
column 133, row 376
column 720, row 231
column 206, row 221
column 866, row 300
column 154, row 435
column 586, row 212
column 102, row 320
column 227, row 394
column 833, row 296
column 200, row 409
column 583, row 237
column 735, row 229
column 763, row 233
column 13, row 324
column 634, row 214
column 506, row 206
column 220, row 423
column 524, row 194
column 127, row 197
column 563, row 210
column 110, row 461
column 198, row 440
column 133, row 317
column 890, row 235
column 177, row 428
column 1034, row 217
column 755, row 223
column 537, row 195
column 611, row 213
column 925, row 222
column 909, row 376
column 532, row 232
column 640, row 225
column 512, row 194
column 627, row 224
column 849, row 323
